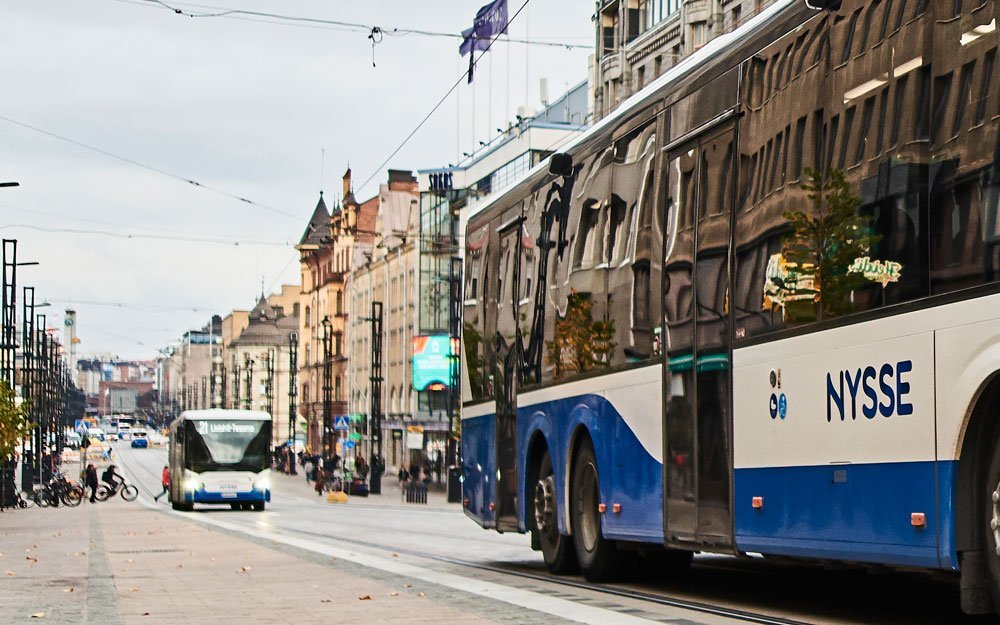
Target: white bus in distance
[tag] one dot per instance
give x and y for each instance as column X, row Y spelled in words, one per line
column 220, row 457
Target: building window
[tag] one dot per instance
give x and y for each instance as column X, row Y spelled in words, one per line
column 307, row 317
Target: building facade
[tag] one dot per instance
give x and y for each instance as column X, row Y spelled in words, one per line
column 638, row 40
column 385, row 270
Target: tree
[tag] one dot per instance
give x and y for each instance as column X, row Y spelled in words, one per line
column 14, row 426
column 579, row 343
column 823, row 244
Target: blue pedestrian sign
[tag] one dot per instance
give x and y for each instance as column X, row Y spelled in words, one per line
column 348, row 444
column 342, row 423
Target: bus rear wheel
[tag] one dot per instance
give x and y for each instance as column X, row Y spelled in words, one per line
column 991, row 517
column 258, row 506
column 599, row 558
column 557, row 550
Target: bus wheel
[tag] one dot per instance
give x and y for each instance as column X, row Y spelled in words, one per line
column 234, row 506
column 258, row 506
column 245, row 505
column 991, row 507
column 557, row 550
column 598, row 557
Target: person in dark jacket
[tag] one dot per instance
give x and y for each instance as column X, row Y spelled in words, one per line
column 90, row 481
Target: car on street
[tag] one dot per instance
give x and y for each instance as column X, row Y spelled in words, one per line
column 139, row 440
column 97, row 433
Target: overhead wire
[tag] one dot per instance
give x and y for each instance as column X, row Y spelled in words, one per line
column 156, row 237
column 472, row 65
column 226, row 12
column 148, row 167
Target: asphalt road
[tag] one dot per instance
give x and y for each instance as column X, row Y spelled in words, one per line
column 806, row 593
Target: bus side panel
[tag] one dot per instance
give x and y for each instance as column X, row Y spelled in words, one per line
column 623, row 419
column 478, row 464
column 833, row 459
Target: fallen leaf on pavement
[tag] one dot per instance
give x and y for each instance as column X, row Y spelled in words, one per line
column 395, row 555
column 10, row 573
column 420, row 594
column 34, row 546
column 245, row 569
column 180, row 566
column 325, row 600
column 70, row 589
column 130, row 560
column 365, row 598
column 38, row 615
column 407, row 585
column 144, row 614
column 394, row 594
column 32, row 559
column 134, row 589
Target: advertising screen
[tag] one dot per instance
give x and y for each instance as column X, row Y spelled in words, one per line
column 431, row 361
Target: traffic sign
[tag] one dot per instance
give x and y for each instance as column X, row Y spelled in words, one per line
column 348, row 444
column 355, row 436
column 341, row 423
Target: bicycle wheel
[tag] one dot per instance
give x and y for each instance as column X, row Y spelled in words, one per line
column 73, row 497
column 25, row 500
column 103, row 492
column 129, row 492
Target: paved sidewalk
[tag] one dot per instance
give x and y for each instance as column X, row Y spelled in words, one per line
column 119, row 563
column 391, row 495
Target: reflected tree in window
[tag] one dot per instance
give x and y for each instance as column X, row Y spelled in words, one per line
column 580, row 343
column 816, row 278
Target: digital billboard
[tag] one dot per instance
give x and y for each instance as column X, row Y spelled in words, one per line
column 431, row 362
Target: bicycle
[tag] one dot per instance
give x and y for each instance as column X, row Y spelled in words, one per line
column 59, row 490
column 23, row 500
column 128, row 491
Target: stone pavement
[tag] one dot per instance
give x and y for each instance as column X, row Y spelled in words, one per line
column 120, row 563
column 391, row 495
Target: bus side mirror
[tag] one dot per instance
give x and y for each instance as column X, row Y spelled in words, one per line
column 561, row 164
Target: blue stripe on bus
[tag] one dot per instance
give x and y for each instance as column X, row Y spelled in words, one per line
column 853, row 512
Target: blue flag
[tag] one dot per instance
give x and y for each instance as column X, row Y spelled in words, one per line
column 490, row 21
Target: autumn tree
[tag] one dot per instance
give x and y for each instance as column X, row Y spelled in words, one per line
column 824, row 242
column 580, row 343
column 14, row 425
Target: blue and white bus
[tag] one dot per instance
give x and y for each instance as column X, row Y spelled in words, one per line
column 757, row 308
column 220, row 457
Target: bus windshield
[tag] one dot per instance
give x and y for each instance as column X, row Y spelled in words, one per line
column 230, row 445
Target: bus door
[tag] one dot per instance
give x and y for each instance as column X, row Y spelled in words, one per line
column 508, row 354
column 697, row 446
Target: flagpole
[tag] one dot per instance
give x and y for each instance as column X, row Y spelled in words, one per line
column 473, row 125
column 506, row 110
column 527, row 55
column 489, row 108
column 458, row 117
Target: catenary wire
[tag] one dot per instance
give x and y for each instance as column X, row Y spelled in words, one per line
column 156, row 237
column 148, row 167
column 352, row 26
column 475, row 61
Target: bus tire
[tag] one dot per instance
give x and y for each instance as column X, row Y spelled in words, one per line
column 234, row 506
column 557, row 550
column 599, row 558
column 258, row 506
column 991, row 519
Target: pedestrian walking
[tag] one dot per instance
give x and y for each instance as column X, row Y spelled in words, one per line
column 165, row 482
column 90, row 481
column 320, row 480
column 308, row 468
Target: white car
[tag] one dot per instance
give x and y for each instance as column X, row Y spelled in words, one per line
column 97, row 433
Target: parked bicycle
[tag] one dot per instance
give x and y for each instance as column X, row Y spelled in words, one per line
column 58, row 490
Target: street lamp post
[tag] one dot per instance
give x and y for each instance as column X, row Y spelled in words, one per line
column 269, row 389
column 293, row 393
column 248, row 370
column 329, row 442
column 236, row 383
column 375, row 479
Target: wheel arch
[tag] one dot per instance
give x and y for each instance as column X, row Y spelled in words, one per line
column 979, row 435
column 580, row 436
column 538, row 445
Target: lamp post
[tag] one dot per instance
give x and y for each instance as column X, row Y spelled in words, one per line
column 375, row 377
column 293, row 393
column 204, row 392
column 329, row 441
column 248, row 370
column 236, row 383
column 269, row 389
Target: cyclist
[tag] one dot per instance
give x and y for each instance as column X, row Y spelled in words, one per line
column 112, row 478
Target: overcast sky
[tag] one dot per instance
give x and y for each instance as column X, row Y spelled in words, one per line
column 242, row 105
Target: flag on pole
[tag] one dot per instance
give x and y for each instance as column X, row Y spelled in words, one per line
column 490, row 21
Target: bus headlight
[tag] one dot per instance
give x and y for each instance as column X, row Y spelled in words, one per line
column 192, row 481
column 263, row 480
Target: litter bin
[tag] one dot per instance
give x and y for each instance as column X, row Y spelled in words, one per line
column 454, row 484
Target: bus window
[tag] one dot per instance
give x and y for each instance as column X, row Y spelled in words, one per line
column 232, row 445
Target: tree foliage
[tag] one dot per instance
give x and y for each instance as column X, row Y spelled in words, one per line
column 580, row 343
column 825, row 240
column 14, row 426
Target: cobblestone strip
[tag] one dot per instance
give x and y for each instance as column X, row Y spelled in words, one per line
column 102, row 598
